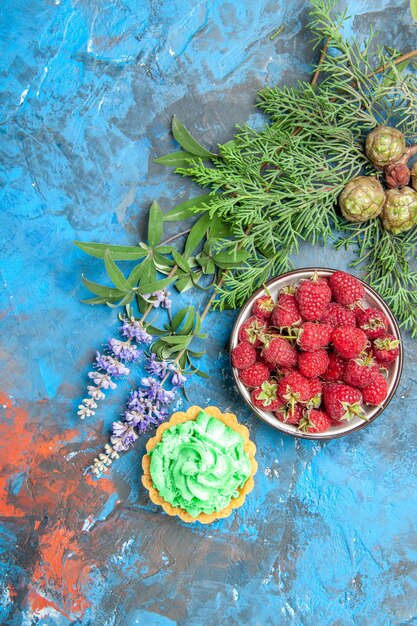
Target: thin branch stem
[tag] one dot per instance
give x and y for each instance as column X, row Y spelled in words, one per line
column 150, row 307
column 397, row 61
column 174, row 237
column 316, row 74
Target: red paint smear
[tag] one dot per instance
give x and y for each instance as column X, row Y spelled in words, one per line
column 53, row 488
column 38, row 602
column 60, row 562
column 12, row 591
column 5, row 400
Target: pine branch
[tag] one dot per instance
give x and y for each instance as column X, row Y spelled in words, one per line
column 285, row 180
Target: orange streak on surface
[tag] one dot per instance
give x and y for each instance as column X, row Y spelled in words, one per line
column 38, row 602
column 55, row 498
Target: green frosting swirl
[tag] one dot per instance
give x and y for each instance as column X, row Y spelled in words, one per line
column 199, row 465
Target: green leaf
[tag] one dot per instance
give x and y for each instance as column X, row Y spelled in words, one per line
column 135, row 274
column 219, row 229
column 163, row 249
column 187, row 141
column 186, row 209
column 119, row 253
column 196, row 234
column 201, row 374
column 181, row 262
column 183, row 361
column 198, row 324
column 178, row 340
column 184, row 284
column 210, row 268
column 142, row 304
column 154, row 224
column 126, row 300
column 115, row 275
column 196, row 355
column 226, row 146
column 162, row 350
column 162, row 263
column 153, row 330
column 189, row 322
column 149, row 272
column 179, row 317
column 175, row 159
column 97, row 300
column 413, row 7
column 101, row 290
column 155, row 285
column 226, row 260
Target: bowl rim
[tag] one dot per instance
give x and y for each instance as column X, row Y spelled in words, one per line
column 326, row 436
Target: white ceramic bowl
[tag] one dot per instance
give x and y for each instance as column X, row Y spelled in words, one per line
column 372, row 299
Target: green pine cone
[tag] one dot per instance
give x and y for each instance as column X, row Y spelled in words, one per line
column 400, row 210
column 362, row 199
column 384, row 145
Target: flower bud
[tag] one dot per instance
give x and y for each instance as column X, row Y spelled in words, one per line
column 397, row 175
column 400, row 210
column 362, row 199
column 384, row 145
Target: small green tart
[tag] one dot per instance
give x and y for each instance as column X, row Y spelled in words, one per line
column 199, row 465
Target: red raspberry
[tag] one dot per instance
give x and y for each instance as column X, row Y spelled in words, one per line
column 361, row 372
column 313, row 295
column 373, row 322
column 346, row 288
column 313, row 364
column 269, row 365
column 294, row 388
column 356, row 309
column 244, row 355
column 337, row 315
column 252, row 330
column 263, row 307
column 348, row 341
column 286, row 312
column 254, row 375
column 376, row 392
column 342, row 402
column 266, row 396
column 279, row 351
column 316, row 390
column 386, row 349
column 315, row 421
column 283, row 371
column 314, row 335
column 335, row 369
column 290, row 416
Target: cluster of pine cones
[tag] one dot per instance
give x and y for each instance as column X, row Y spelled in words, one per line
column 365, row 198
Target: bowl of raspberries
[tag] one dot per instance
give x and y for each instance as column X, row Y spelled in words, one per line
column 316, row 353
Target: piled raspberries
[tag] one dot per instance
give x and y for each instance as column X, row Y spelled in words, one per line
column 316, row 355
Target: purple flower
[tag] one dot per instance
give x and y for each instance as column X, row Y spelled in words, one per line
column 119, row 428
column 111, row 365
column 102, row 380
column 178, row 379
column 133, row 329
column 124, row 350
column 162, row 297
column 159, row 298
column 158, row 368
column 123, row 436
column 157, row 392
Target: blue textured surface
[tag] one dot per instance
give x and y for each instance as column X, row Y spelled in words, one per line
column 328, row 536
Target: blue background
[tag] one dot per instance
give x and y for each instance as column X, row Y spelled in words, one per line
column 327, row 537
